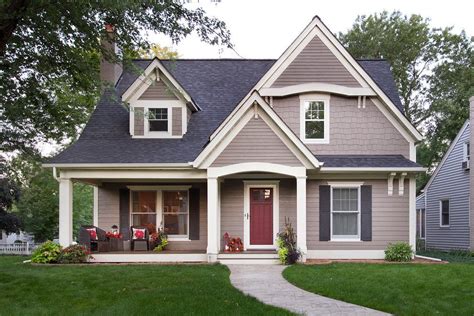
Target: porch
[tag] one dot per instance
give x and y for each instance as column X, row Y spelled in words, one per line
column 195, row 211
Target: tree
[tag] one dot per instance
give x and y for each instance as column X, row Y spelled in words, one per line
column 39, row 206
column 433, row 70
column 161, row 52
column 9, row 193
column 50, row 52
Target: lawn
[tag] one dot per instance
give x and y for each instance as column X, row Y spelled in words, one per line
column 122, row 290
column 452, row 256
column 401, row 289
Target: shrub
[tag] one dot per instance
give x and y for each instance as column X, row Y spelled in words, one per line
column 46, row 253
column 74, row 254
column 159, row 240
column 400, row 252
column 286, row 240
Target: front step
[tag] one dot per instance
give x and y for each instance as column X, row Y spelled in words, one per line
column 248, row 258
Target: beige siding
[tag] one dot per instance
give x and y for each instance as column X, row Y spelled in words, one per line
column 352, row 130
column 109, row 212
column 389, row 218
column 158, row 91
column 177, row 121
column 288, row 202
column 108, row 206
column 316, row 63
column 139, row 124
column 256, row 142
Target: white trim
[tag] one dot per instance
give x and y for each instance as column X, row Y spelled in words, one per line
column 159, row 187
column 237, row 122
column 65, row 212
column 142, row 174
column 305, row 98
column 412, row 213
column 96, row 206
column 346, row 254
column 317, row 28
column 317, row 87
column 276, row 211
column 446, row 155
column 346, row 185
column 401, row 184
column 213, row 233
column 217, row 172
column 390, row 178
column 441, row 213
column 148, row 257
column 301, row 217
column 372, row 169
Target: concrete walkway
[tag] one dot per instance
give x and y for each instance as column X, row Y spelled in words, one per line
column 266, row 283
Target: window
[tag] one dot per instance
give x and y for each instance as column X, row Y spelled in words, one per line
column 314, row 119
column 144, row 209
column 444, row 212
column 345, row 213
column 467, row 151
column 175, row 212
column 158, row 119
column 420, row 223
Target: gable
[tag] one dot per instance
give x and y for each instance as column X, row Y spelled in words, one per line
column 316, row 63
column 158, row 90
column 256, row 142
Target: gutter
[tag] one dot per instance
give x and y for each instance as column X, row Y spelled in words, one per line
column 118, row 165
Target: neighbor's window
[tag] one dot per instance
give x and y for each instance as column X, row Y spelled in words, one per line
column 420, row 223
column 158, row 120
column 345, row 213
column 467, row 151
column 175, row 212
column 444, row 205
column 144, row 209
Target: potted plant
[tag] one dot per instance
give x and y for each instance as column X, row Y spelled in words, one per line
column 158, row 240
column 286, row 240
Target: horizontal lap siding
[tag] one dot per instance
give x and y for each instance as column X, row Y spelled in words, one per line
column 177, row 121
column 138, row 124
column 256, row 142
column 352, row 131
column 109, row 214
column 288, row 202
column 232, row 209
column 316, row 63
column 389, row 218
column 158, row 91
column 451, row 182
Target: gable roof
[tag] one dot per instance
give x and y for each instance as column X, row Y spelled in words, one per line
column 448, row 152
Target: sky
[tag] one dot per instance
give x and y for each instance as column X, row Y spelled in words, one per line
column 265, row 28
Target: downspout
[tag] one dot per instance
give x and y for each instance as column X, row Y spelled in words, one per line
column 55, row 175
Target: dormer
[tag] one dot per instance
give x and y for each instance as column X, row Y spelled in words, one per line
column 159, row 106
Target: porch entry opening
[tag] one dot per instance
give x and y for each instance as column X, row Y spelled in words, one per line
column 261, row 216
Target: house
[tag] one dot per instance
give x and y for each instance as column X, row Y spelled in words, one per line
column 446, row 197
column 234, row 145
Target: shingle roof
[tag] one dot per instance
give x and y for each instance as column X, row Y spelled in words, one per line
column 216, row 85
column 373, row 161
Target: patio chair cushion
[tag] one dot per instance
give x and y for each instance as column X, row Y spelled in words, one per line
column 138, row 233
column 93, row 233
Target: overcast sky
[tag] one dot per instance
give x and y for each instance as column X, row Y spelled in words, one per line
column 264, row 28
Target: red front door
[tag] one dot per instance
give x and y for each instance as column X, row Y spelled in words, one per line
column 261, row 216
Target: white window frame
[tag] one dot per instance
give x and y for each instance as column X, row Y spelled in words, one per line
column 168, row 118
column 305, row 98
column 346, row 186
column 466, row 153
column 441, row 212
column 176, row 237
column 159, row 206
column 158, row 104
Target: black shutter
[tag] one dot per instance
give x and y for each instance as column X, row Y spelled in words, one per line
column 324, row 212
column 124, row 206
column 366, row 213
column 194, row 214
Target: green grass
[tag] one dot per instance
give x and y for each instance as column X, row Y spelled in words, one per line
column 122, row 290
column 451, row 256
column 401, row 289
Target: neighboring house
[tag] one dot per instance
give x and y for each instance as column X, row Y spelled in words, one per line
column 11, row 238
column 234, row 145
column 446, row 196
column 420, row 216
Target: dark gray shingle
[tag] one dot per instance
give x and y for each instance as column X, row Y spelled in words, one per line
column 374, row 161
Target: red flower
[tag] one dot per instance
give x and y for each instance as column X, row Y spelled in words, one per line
column 92, row 233
column 139, row 234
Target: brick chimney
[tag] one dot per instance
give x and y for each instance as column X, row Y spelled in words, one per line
column 110, row 72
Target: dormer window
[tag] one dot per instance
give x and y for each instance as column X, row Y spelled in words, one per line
column 158, row 120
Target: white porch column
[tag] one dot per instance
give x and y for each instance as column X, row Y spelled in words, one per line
column 301, row 215
column 65, row 212
column 96, row 206
column 412, row 212
column 212, row 219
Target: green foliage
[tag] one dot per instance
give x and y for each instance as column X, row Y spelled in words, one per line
column 74, row 254
column 433, row 70
column 161, row 245
column 50, row 58
column 48, row 252
column 156, row 50
column 9, row 193
column 38, row 207
column 399, row 252
column 288, row 253
column 463, row 256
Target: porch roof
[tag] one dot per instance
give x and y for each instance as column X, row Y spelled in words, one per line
column 366, row 161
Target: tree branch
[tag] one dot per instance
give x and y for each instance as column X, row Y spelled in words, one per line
column 11, row 16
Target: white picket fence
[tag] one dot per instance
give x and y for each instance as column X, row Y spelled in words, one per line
column 17, row 249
